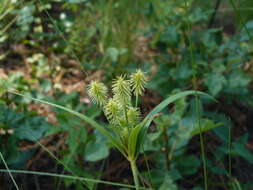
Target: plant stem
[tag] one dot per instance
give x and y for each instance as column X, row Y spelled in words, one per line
column 242, row 22
column 229, row 152
column 194, row 66
column 135, row 174
column 136, row 101
column 217, row 5
column 166, row 148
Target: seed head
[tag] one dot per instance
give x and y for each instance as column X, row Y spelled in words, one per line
column 138, row 82
column 112, row 110
column 121, row 90
column 133, row 115
column 98, row 92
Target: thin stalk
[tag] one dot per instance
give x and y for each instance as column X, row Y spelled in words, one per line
column 166, row 146
column 136, row 101
column 9, row 25
column 8, row 170
column 135, row 174
column 240, row 19
column 217, row 5
column 58, row 160
column 69, row 177
column 202, row 147
column 147, row 165
column 229, row 152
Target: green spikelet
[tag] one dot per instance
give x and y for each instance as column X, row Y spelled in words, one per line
column 133, row 115
column 112, row 110
column 121, row 90
column 138, row 82
column 118, row 110
column 98, row 92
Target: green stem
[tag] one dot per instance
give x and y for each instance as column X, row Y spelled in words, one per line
column 128, row 129
column 135, row 174
column 194, row 66
column 242, row 22
column 166, row 148
column 136, row 101
column 229, row 152
column 202, row 147
column 7, row 168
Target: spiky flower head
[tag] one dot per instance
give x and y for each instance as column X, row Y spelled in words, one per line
column 98, row 92
column 112, row 110
column 138, row 81
column 121, row 90
column 133, row 115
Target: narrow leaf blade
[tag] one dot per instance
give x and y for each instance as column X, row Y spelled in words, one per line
column 88, row 120
column 133, row 140
column 148, row 119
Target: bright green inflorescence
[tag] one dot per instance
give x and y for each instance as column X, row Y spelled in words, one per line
column 98, row 92
column 138, row 81
column 133, row 115
column 119, row 111
column 112, row 111
column 121, row 91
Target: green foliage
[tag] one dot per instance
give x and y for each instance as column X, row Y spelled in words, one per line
column 128, row 144
column 15, row 127
column 25, row 126
column 168, row 184
column 181, row 44
column 96, row 150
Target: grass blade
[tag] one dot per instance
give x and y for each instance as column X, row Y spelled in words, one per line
column 88, row 120
column 9, row 171
column 148, row 119
column 69, row 177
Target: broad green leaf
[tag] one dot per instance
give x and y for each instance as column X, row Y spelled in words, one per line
column 9, row 149
column 237, row 79
column 188, row 164
column 96, row 149
column 90, row 121
column 182, row 72
column 215, row 82
column 170, row 36
column 168, row 184
column 206, row 125
column 24, row 125
column 239, row 148
column 32, row 128
column 218, row 66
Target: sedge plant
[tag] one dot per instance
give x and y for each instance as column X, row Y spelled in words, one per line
column 126, row 129
column 122, row 115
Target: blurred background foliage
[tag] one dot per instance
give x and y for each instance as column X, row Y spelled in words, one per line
column 51, row 49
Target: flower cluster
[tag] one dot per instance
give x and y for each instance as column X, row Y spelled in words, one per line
column 119, row 110
column 138, row 81
column 98, row 92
